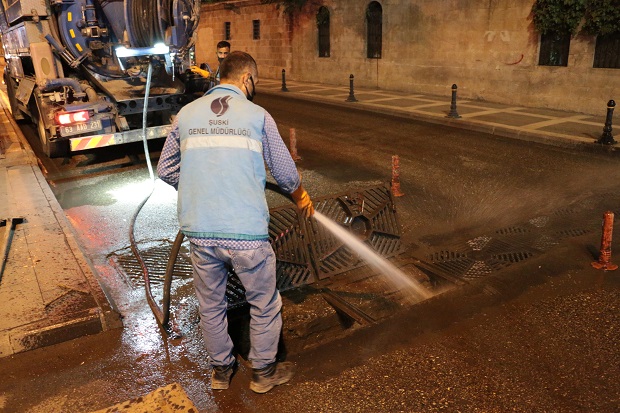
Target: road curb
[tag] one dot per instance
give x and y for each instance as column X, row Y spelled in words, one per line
column 516, row 133
column 65, row 325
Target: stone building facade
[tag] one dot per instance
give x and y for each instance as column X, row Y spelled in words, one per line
column 489, row 48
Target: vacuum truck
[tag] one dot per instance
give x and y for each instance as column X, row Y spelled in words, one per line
column 95, row 73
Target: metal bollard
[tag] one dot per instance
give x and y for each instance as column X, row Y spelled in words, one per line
column 293, row 144
column 351, row 97
column 284, row 89
column 453, row 113
column 396, row 176
column 604, row 259
column 607, row 138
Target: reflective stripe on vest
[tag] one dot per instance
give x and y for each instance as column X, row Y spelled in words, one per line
column 233, row 142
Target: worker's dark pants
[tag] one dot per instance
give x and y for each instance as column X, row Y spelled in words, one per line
column 256, row 269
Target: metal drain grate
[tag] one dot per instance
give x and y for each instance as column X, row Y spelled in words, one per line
column 572, row 232
column 498, row 247
column 155, row 259
column 503, row 260
column 512, row 231
column 452, row 262
column 484, row 255
column 543, row 242
column 304, row 250
column 564, row 211
column 477, row 263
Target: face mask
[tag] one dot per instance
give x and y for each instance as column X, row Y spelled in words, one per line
column 219, row 59
column 248, row 95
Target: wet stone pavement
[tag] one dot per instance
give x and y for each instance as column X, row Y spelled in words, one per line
column 532, row 332
column 521, row 321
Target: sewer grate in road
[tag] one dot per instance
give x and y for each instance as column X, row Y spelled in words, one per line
column 305, row 251
column 486, row 254
column 513, row 231
column 156, row 259
column 572, row 232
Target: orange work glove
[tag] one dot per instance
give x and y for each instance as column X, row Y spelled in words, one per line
column 303, row 201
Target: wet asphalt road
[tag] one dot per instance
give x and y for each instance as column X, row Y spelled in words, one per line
column 538, row 336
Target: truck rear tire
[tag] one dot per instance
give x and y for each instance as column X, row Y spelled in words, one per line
column 10, row 91
column 53, row 149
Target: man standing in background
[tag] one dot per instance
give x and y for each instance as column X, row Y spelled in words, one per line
column 223, row 50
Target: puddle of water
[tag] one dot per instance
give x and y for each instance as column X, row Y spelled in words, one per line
column 389, row 271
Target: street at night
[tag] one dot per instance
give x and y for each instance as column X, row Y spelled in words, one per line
column 502, row 233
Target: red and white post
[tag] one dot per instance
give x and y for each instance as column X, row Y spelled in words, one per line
column 604, row 258
column 396, row 176
column 293, row 145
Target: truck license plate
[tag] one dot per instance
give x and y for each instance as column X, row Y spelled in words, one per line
column 92, row 126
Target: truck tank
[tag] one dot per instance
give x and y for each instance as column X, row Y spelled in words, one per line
column 77, row 68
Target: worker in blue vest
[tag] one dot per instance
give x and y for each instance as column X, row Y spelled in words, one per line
column 215, row 157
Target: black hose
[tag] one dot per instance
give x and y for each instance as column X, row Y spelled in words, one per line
column 144, row 23
column 172, row 259
column 162, row 316
column 145, row 271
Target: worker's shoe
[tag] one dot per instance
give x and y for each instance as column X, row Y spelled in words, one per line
column 221, row 376
column 273, row 375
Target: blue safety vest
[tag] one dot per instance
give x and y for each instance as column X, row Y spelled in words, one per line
column 221, row 191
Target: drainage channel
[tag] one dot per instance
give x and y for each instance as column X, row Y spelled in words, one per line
column 321, row 306
column 464, row 261
column 307, row 255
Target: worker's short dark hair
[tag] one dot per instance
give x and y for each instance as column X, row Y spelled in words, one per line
column 236, row 64
column 223, row 43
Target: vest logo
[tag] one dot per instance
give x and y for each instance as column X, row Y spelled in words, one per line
column 220, row 105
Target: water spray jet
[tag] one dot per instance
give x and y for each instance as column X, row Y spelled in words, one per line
column 384, row 267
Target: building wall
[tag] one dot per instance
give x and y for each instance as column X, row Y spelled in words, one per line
column 272, row 51
column 489, row 48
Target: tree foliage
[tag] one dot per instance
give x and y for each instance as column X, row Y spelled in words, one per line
column 559, row 16
column 602, row 17
column 564, row 16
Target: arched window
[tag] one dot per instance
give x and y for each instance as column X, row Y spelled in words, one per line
column 607, row 51
column 374, row 18
column 322, row 22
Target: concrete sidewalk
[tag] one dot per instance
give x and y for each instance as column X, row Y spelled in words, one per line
column 48, row 292
column 546, row 126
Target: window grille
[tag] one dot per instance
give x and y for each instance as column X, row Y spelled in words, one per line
column 554, row 49
column 226, row 30
column 322, row 22
column 607, row 51
column 374, row 17
column 256, row 29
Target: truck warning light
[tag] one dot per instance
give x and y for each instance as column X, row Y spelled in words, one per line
column 68, row 118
